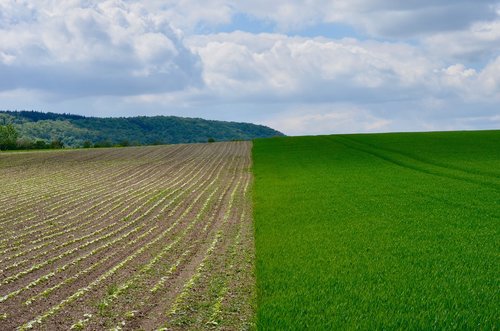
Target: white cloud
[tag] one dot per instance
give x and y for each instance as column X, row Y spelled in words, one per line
column 490, row 80
column 276, row 66
column 458, row 76
column 477, row 44
column 392, row 18
column 332, row 118
column 471, row 85
column 188, row 14
column 415, row 65
column 92, row 48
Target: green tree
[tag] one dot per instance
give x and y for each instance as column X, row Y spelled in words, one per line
column 56, row 144
column 124, row 143
column 8, row 137
column 40, row 144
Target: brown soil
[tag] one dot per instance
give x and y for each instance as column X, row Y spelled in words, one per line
column 168, row 203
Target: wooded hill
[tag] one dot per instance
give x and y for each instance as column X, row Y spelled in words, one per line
column 80, row 131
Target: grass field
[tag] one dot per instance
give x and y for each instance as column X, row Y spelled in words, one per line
column 386, row 231
column 383, row 231
column 129, row 238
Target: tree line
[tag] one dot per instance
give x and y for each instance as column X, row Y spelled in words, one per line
column 37, row 130
column 9, row 140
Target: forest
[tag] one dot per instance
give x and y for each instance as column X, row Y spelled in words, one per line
column 39, row 130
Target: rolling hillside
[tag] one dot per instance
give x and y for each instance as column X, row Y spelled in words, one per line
column 74, row 130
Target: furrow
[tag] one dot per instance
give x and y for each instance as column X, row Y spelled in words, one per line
column 108, row 274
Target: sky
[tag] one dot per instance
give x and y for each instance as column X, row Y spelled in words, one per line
column 302, row 67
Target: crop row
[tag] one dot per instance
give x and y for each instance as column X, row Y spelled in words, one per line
column 68, row 200
column 217, row 259
column 159, row 212
column 66, row 188
column 144, row 272
column 54, row 185
column 124, row 226
column 73, row 224
column 118, row 266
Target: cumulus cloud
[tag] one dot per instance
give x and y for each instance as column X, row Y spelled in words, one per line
column 477, row 44
column 389, row 18
column 348, row 85
column 472, row 85
column 489, row 79
column 276, row 66
column 91, row 48
column 409, row 65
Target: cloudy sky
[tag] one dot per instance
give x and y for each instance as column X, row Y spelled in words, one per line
column 302, row 67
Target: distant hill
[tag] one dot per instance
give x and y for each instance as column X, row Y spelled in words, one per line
column 78, row 131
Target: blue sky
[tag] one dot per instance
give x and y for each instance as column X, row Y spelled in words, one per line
column 302, row 67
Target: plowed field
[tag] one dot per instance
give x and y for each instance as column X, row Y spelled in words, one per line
column 132, row 238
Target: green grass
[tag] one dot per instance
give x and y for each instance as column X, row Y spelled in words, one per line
column 382, row 231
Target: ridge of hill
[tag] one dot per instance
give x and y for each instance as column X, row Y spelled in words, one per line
column 79, row 131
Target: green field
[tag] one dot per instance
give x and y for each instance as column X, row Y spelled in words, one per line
column 379, row 231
